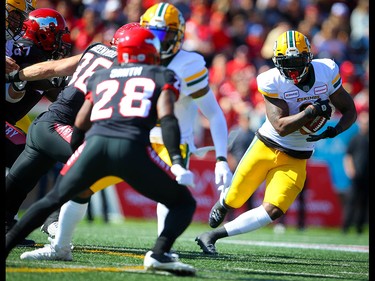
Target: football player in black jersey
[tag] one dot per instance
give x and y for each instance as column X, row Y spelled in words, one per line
column 46, row 37
column 122, row 105
column 55, row 127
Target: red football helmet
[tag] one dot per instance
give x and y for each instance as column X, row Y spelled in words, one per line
column 47, row 28
column 120, row 32
column 138, row 46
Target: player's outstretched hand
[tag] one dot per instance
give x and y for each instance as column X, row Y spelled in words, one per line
column 183, row 176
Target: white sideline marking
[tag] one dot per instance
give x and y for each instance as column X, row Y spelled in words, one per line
column 330, row 247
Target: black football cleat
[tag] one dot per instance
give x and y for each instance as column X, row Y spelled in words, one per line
column 217, row 215
column 206, row 244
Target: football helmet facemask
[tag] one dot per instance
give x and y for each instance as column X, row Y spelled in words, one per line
column 47, row 28
column 138, row 46
column 168, row 24
column 120, row 32
column 292, row 55
column 15, row 15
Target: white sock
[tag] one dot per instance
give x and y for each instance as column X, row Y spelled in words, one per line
column 248, row 221
column 161, row 213
column 71, row 213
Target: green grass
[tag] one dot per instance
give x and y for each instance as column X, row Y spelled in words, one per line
column 115, row 252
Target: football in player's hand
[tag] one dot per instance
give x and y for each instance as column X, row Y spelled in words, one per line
column 313, row 125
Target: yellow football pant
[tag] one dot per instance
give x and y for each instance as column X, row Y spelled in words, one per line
column 24, row 123
column 284, row 176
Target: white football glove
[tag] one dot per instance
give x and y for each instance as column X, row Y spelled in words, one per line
column 183, row 176
column 223, row 175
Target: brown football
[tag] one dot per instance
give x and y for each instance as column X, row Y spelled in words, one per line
column 313, row 126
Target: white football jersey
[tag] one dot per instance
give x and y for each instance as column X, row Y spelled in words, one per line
column 272, row 84
column 193, row 74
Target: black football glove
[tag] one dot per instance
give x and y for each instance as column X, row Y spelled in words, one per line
column 14, row 76
column 77, row 139
column 330, row 132
column 322, row 108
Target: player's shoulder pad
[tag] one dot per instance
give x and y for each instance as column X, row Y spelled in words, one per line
column 267, row 81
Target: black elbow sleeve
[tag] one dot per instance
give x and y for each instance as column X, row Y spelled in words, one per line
column 171, row 137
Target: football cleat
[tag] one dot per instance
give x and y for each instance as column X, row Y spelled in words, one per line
column 217, row 215
column 206, row 244
column 166, row 262
column 49, row 252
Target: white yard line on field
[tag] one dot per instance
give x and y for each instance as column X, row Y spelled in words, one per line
column 331, row 247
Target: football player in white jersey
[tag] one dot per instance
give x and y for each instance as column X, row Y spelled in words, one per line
column 16, row 12
column 295, row 92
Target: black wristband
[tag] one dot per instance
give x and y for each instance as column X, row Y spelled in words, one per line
column 338, row 129
column 16, row 77
column 221, row 158
column 177, row 159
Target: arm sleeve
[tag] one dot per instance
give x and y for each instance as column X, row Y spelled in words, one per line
column 171, row 137
column 218, row 126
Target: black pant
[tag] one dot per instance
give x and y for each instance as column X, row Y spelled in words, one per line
column 44, row 148
column 136, row 164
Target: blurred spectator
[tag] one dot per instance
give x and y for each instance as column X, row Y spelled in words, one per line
column 240, row 137
column 267, row 48
column 89, row 29
column 356, row 164
column 113, row 18
column 362, row 100
column 133, row 10
column 292, row 10
column 217, row 72
column 312, row 19
column 222, row 42
column 238, row 29
column 328, row 45
column 255, row 40
column 270, row 11
column 198, row 34
column 359, row 21
column 351, row 80
column 66, row 9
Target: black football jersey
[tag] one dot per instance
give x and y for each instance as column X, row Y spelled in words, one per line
column 64, row 110
column 25, row 53
column 125, row 99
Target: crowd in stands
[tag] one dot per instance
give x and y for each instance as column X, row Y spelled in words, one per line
column 234, row 37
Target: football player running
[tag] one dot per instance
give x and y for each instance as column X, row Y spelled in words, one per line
column 295, row 92
column 122, row 105
column 167, row 22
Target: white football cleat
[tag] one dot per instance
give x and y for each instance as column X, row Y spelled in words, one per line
column 49, row 252
column 167, row 262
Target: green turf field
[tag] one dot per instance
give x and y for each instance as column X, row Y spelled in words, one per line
column 115, row 251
